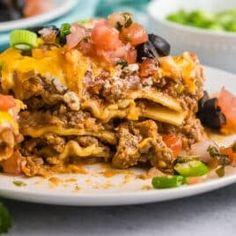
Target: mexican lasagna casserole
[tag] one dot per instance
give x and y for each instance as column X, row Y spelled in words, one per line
column 101, row 90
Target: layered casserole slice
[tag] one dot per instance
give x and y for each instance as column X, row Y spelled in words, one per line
column 101, row 90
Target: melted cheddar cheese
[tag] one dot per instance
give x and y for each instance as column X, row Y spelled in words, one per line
column 7, row 120
column 69, row 67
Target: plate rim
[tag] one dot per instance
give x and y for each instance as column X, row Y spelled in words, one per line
column 117, row 199
column 39, row 19
column 121, row 198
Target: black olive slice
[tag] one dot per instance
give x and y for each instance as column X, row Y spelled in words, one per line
column 202, row 101
column 155, row 47
column 210, row 113
column 146, row 50
column 211, row 104
column 161, row 45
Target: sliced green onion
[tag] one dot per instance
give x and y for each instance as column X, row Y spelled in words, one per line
column 23, row 39
column 168, row 181
column 65, row 29
column 191, row 168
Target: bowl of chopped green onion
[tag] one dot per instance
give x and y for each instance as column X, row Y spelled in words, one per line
column 207, row 28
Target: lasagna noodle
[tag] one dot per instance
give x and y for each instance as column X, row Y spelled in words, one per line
column 103, row 135
column 133, row 111
column 73, row 149
column 158, row 97
column 163, row 114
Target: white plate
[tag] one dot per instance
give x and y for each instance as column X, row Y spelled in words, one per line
column 61, row 7
column 94, row 189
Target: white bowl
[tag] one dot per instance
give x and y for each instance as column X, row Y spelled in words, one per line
column 213, row 48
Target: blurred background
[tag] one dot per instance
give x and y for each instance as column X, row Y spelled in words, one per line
column 206, row 27
column 81, row 9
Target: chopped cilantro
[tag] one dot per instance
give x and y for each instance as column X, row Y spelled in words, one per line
column 215, row 152
column 220, row 171
column 128, row 22
column 19, row 183
column 65, row 29
column 119, row 26
column 122, row 63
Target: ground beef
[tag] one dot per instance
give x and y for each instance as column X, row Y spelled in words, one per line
column 85, row 141
column 59, row 116
column 33, row 165
column 112, row 87
column 127, row 153
column 191, row 131
column 50, row 146
column 45, row 91
column 140, row 142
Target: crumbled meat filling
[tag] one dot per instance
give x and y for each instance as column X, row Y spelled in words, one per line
column 140, row 142
column 191, row 131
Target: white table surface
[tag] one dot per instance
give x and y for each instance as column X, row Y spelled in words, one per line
column 208, row 214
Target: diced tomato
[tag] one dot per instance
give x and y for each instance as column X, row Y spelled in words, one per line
column 6, row 102
column 131, row 56
column 147, row 68
column 87, row 48
column 77, row 34
column 106, row 56
column 105, row 37
column 12, row 164
column 174, row 143
column 36, row 7
column 227, row 103
column 134, row 34
column 125, row 52
column 232, row 155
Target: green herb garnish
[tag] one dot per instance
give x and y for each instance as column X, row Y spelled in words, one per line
column 5, row 219
column 126, row 23
column 215, row 152
column 19, row 183
column 128, row 19
column 220, row 171
column 119, row 26
column 122, row 63
column 65, row 29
